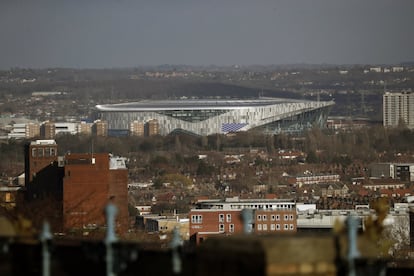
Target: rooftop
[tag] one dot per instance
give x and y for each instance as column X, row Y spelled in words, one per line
column 195, row 104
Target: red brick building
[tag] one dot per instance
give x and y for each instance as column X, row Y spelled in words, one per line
column 38, row 155
column 215, row 217
column 75, row 187
column 90, row 181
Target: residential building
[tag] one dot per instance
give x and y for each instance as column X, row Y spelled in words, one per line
column 100, row 128
column 84, row 128
column 137, row 128
column 152, row 127
column 398, row 108
column 216, row 217
column 383, row 184
column 48, row 130
column 309, row 179
column 401, row 171
column 32, row 130
column 334, row 190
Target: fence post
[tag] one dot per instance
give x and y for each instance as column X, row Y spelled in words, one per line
column 176, row 242
column 45, row 237
column 111, row 211
column 353, row 252
column 247, row 216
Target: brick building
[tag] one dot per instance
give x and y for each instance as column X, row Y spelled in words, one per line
column 215, row 217
column 38, row 155
column 43, row 183
column 75, row 187
column 90, row 181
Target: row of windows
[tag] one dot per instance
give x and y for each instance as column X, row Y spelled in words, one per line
column 43, row 152
column 199, row 218
column 221, row 217
column 275, row 227
column 222, row 228
column 196, row 219
column 274, row 217
column 262, row 206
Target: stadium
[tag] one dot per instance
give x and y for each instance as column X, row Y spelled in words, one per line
column 210, row 116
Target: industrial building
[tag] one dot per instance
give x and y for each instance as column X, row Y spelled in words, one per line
column 90, row 181
column 77, row 186
column 206, row 116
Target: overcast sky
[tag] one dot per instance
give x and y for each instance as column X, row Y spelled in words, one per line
column 131, row 33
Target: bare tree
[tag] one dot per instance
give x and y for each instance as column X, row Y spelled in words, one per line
column 398, row 232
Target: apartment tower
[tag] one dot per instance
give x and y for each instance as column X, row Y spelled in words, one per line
column 398, row 108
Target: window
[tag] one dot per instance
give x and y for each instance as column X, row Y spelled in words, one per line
column 291, row 217
column 196, row 219
column 277, row 217
column 272, row 227
column 286, row 217
column 277, row 226
column 231, row 228
column 228, row 217
column 221, row 217
column 8, row 197
column 286, row 226
column 273, row 217
column 221, row 228
column 264, row 217
column 259, row 217
column 259, row 227
column 264, row 227
column 291, row 226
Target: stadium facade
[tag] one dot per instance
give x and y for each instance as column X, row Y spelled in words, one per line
column 206, row 116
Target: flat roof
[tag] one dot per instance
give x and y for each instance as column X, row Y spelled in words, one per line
column 43, row 142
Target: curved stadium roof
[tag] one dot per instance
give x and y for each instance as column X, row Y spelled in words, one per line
column 208, row 116
column 198, row 104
